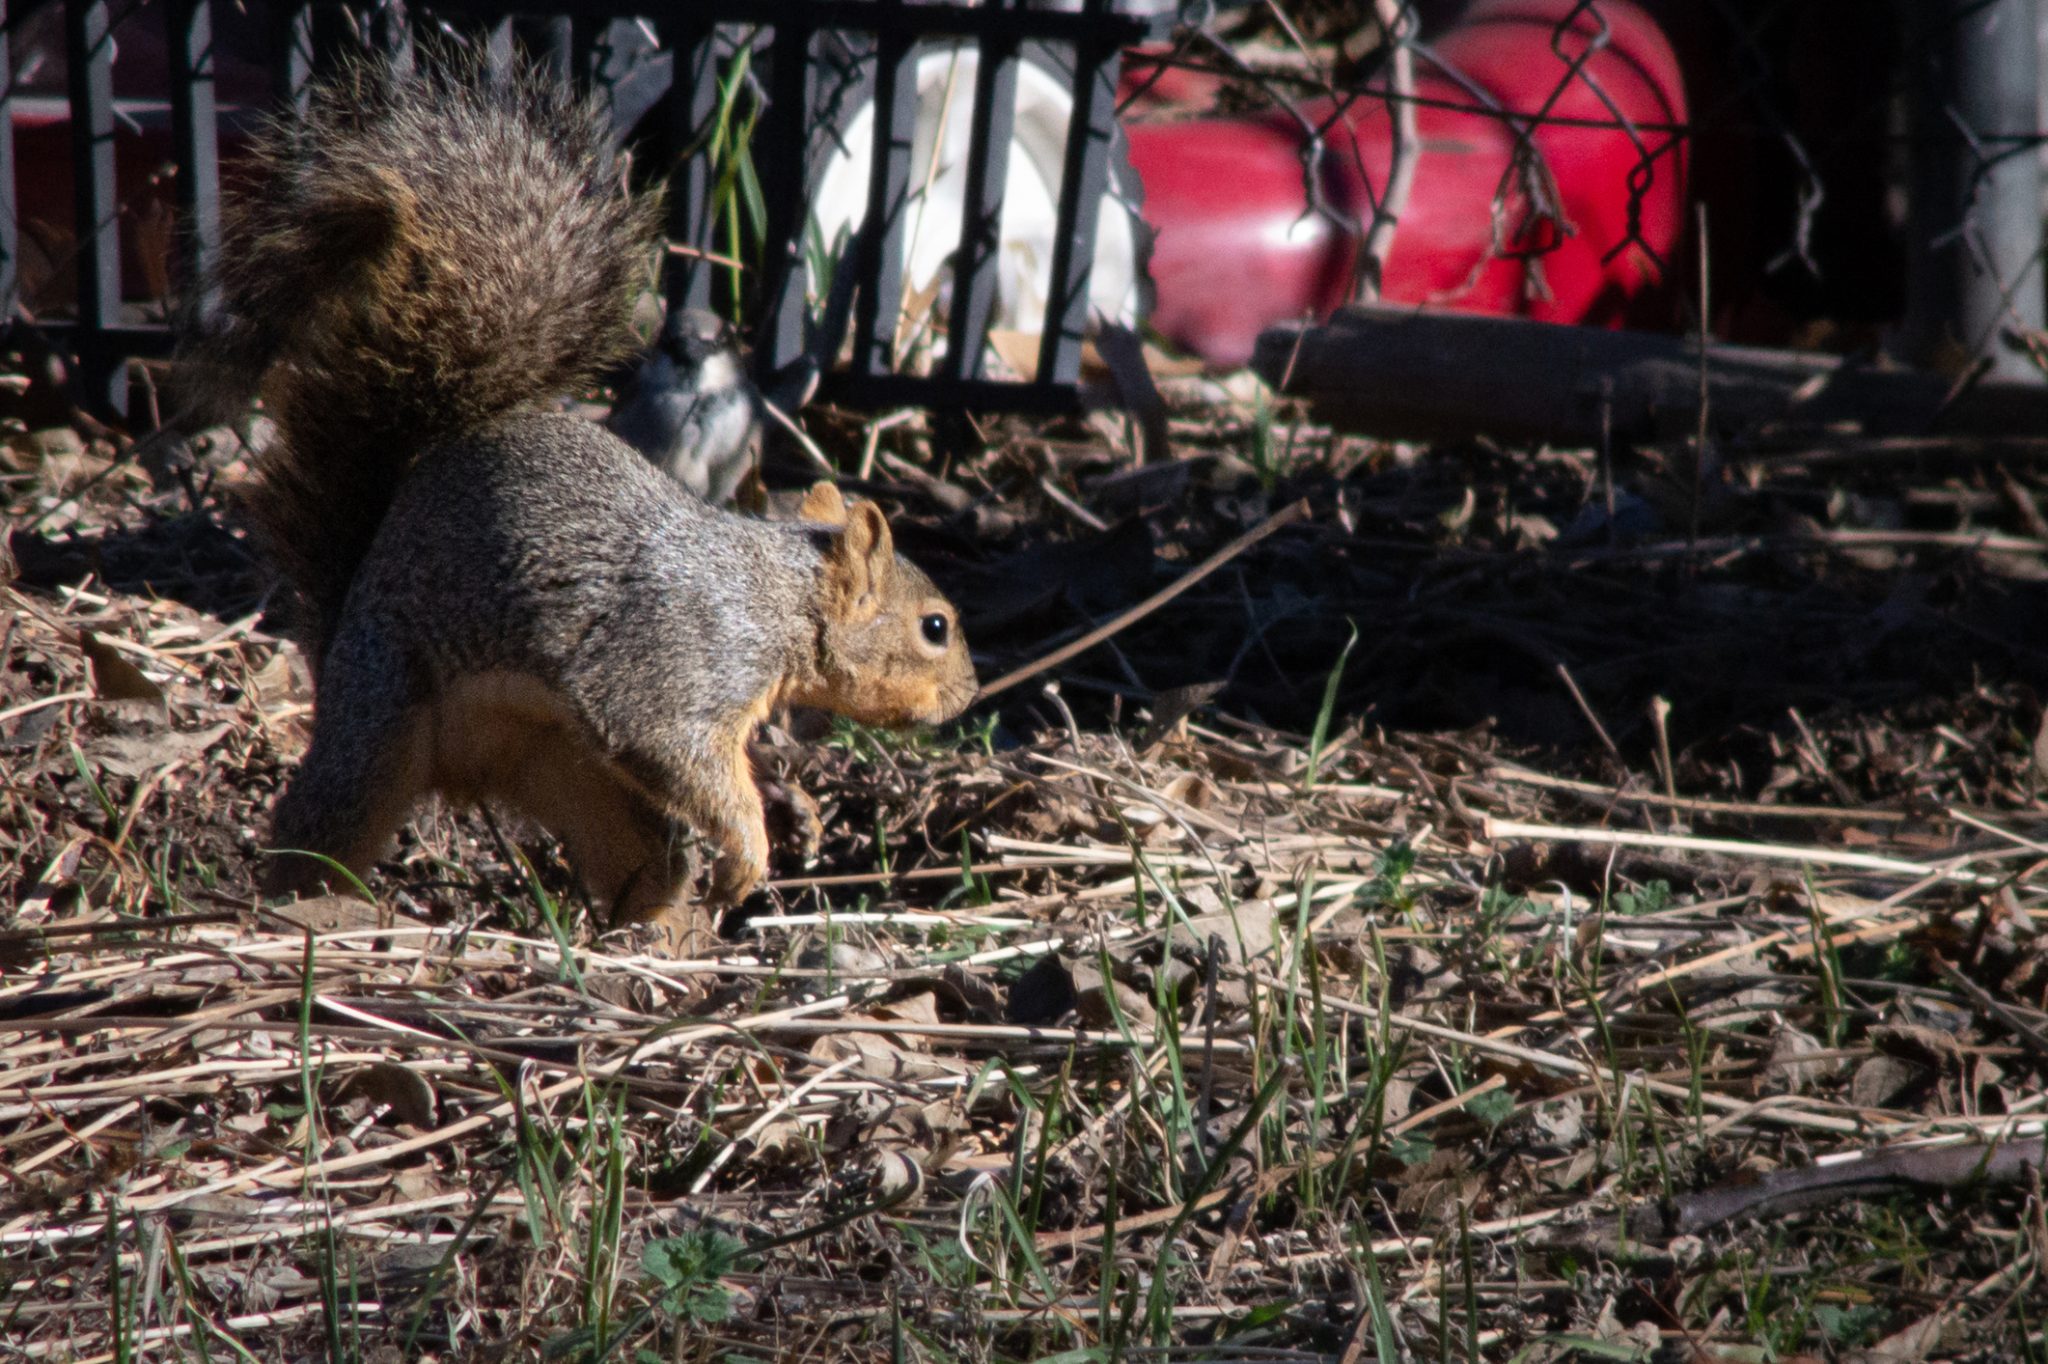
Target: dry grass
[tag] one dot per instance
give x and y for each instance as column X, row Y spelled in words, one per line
column 1539, row 1025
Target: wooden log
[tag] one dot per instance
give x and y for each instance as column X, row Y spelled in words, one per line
column 1402, row 373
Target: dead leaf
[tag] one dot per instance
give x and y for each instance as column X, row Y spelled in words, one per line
column 135, row 755
column 884, row 1057
column 114, row 678
column 917, row 1005
column 1094, row 993
column 1914, row 1343
column 1784, row 1072
column 1172, row 708
column 1244, row 935
column 1435, row 1187
column 1911, row 1042
column 1881, row 1080
column 278, row 683
column 408, row 1094
column 334, row 914
column 1017, row 350
column 895, row 1178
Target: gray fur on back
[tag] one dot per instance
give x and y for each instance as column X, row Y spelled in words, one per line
column 544, row 545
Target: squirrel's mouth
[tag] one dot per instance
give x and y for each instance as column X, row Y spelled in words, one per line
column 951, row 697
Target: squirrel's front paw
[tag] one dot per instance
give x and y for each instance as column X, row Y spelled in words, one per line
column 733, row 878
column 678, row 931
column 683, row 930
column 792, row 818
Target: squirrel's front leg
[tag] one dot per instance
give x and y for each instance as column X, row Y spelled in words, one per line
column 736, row 824
column 711, row 787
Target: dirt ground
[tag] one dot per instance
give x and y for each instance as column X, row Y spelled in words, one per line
column 1516, row 910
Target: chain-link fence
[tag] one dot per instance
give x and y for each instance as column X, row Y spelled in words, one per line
column 936, row 203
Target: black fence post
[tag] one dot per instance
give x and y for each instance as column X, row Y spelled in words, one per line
column 89, row 50
column 1975, row 269
column 1082, row 182
column 880, row 259
column 865, row 48
column 977, row 263
column 783, row 141
column 195, row 144
column 10, row 210
column 692, row 104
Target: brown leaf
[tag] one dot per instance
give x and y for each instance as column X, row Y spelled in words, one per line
column 277, row 682
column 919, row 1005
column 1093, row 994
column 1882, row 1079
column 114, row 678
column 883, row 1057
column 408, row 1094
column 1914, row 1343
column 1924, row 1046
column 1784, row 1072
column 334, row 913
column 975, row 994
column 1436, row 1186
column 134, row 755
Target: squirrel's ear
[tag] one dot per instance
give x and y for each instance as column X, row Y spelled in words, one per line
column 823, row 504
column 861, row 561
column 867, row 534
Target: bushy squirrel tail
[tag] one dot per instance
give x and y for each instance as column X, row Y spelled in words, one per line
column 416, row 254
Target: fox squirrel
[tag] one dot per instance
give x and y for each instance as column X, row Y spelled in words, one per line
column 503, row 602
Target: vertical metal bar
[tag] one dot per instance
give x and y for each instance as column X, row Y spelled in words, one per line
column 1976, row 186
column 1083, row 179
column 195, row 144
column 496, row 40
column 692, row 102
column 587, row 48
column 881, row 255
column 557, row 47
column 390, row 34
column 781, row 141
column 291, row 71
column 89, row 52
column 10, row 222
column 977, row 262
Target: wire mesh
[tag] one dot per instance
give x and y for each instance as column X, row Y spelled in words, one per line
column 1872, row 169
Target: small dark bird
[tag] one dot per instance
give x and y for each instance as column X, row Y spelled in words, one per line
column 690, row 407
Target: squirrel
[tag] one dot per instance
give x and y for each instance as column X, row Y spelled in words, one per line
column 503, row 602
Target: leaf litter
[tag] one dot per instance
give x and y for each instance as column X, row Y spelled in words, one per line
column 1344, row 960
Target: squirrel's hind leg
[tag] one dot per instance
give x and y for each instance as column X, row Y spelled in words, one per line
column 627, row 853
column 366, row 768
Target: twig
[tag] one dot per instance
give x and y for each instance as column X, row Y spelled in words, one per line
column 1778, row 852
column 803, row 439
column 1287, row 515
column 1522, row 776
column 1396, row 24
column 1699, row 449
column 1592, row 718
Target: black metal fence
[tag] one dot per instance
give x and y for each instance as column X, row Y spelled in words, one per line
column 672, row 58
column 1809, row 125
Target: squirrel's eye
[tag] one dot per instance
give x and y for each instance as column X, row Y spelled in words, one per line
column 934, row 628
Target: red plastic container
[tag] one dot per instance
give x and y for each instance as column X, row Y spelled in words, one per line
column 1237, row 248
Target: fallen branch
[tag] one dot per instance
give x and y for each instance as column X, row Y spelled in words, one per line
column 1965, row 1166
